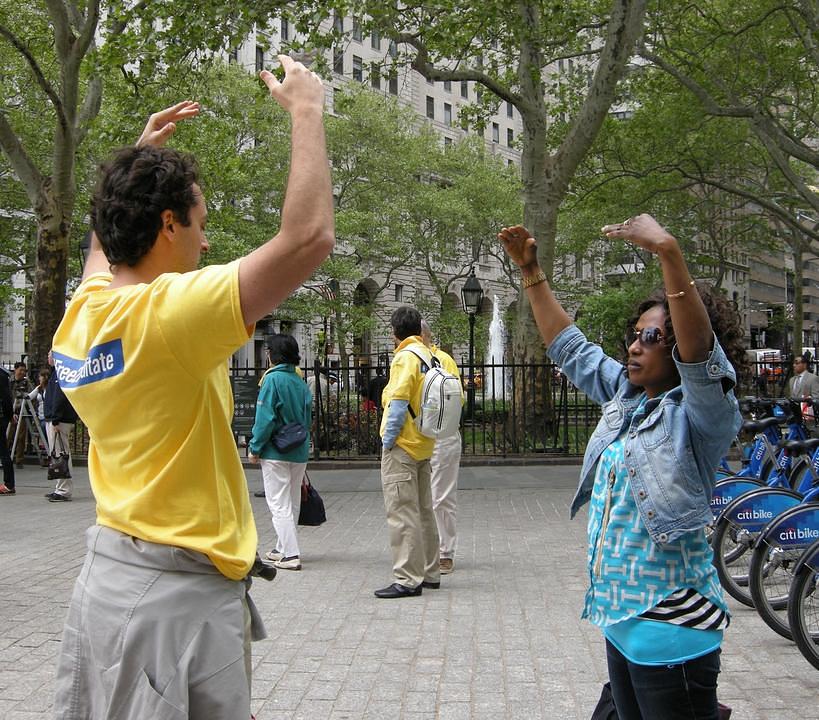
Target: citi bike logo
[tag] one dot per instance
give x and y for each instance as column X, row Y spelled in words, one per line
column 807, row 533
column 721, row 499
column 755, row 515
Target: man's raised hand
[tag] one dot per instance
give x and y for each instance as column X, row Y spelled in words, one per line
column 300, row 89
column 161, row 125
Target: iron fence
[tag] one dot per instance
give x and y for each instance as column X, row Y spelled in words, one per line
column 519, row 409
column 511, row 409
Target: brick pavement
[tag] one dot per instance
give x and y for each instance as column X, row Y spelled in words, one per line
column 500, row 639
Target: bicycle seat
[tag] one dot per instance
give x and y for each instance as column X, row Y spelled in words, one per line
column 756, row 426
column 795, row 446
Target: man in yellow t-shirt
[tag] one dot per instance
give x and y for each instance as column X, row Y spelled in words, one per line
column 445, row 464
column 405, row 469
column 157, row 622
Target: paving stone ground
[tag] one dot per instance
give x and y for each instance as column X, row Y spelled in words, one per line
column 501, row 639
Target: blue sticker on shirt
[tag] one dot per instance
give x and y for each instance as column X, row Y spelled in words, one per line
column 103, row 361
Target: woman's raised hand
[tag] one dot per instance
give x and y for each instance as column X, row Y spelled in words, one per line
column 519, row 245
column 643, row 231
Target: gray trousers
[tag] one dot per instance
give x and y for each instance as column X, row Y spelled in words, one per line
column 411, row 522
column 154, row 631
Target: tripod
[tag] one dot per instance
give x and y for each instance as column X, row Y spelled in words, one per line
column 35, row 430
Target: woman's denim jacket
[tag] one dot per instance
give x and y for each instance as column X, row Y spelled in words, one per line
column 672, row 447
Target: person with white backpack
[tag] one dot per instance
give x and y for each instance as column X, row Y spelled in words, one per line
column 421, row 404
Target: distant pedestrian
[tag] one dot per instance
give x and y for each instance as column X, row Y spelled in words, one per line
column 20, row 388
column 283, row 399
column 60, row 417
column 37, row 397
column 8, row 487
column 405, row 468
column 445, row 464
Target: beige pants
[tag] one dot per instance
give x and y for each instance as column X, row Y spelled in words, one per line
column 411, row 522
column 445, row 463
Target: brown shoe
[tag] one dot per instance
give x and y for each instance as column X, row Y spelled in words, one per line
column 446, row 566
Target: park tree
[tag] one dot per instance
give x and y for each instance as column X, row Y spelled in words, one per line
column 55, row 54
column 754, row 63
column 511, row 52
column 403, row 201
column 708, row 176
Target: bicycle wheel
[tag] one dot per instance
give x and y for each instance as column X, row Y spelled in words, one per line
column 769, row 580
column 803, row 613
column 732, row 558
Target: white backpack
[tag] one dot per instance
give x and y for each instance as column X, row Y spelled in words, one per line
column 441, row 400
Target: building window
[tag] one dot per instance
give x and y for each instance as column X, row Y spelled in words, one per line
column 464, row 88
column 358, row 69
column 375, row 40
column 357, row 36
column 430, row 107
column 338, row 61
column 285, row 31
column 394, row 82
column 399, row 293
column 447, row 113
column 259, row 58
column 509, row 110
column 375, row 75
column 393, row 49
column 447, row 142
column 338, row 23
column 233, row 55
column 510, row 137
column 448, row 85
column 495, row 133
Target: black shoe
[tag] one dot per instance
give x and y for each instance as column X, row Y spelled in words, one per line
column 49, row 495
column 259, row 493
column 431, row 585
column 397, row 591
column 55, row 497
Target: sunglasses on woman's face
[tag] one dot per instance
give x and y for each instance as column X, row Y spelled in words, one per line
column 646, row 336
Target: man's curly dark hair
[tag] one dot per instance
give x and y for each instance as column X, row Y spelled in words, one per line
column 134, row 188
column 725, row 322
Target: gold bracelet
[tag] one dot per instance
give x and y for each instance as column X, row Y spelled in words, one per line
column 681, row 293
column 534, row 279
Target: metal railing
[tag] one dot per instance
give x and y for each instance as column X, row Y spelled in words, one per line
column 520, row 409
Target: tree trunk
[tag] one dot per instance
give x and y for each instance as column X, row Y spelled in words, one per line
column 50, row 277
column 797, row 297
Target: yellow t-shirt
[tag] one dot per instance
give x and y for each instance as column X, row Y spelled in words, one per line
column 407, row 383
column 447, row 363
column 145, row 366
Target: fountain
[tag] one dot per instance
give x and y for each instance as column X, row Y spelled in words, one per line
column 495, row 379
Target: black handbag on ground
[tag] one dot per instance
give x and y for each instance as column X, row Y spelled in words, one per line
column 289, row 437
column 58, row 464
column 312, row 506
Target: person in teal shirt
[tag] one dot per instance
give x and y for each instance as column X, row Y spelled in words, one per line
column 283, row 398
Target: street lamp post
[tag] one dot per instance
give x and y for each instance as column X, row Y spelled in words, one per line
column 471, row 296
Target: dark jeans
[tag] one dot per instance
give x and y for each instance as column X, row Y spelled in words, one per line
column 687, row 691
column 5, row 457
